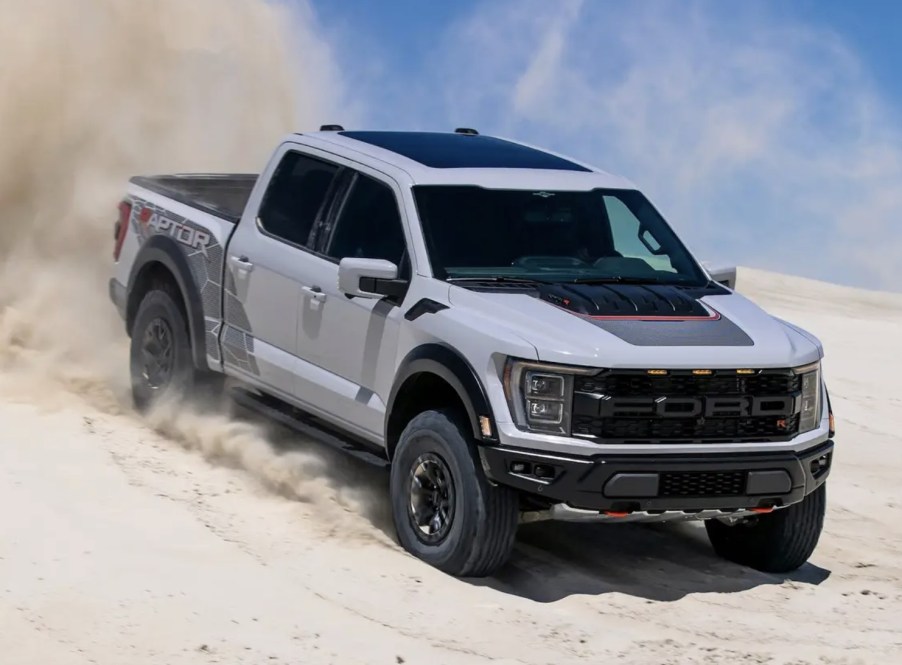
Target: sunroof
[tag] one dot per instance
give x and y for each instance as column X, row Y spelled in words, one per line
column 463, row 151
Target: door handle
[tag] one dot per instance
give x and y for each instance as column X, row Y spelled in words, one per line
column 316, row 295
column 242, row 263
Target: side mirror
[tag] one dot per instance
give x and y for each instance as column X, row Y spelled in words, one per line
column 726, row 275
column 369, row 278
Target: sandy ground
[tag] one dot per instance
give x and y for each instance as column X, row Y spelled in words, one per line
column 202, row 541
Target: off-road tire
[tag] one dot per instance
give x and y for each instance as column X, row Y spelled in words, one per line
column 777, row 542
column 159, row 309
column 484, row 517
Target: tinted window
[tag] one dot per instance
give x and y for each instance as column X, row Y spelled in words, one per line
column 556, row 236
column 630, row 237
column 369, row 224
column 294, row 197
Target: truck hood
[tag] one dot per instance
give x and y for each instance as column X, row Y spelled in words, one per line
column 629, row 326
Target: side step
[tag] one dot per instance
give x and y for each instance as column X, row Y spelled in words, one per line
column 306, row 425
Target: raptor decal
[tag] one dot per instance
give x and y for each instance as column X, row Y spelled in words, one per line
column 205, row 256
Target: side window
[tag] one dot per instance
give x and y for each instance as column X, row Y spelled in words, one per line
column 628, row 239
column 294, row 197
column 369, row 225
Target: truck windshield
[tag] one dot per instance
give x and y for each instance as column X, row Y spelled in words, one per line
column 602, row 235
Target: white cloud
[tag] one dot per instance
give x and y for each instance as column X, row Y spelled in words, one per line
column 762, row 140
column 543, row 68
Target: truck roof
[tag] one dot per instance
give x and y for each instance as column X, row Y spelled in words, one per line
column 469, row 158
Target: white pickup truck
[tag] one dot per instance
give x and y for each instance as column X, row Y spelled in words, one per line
column 518, row 335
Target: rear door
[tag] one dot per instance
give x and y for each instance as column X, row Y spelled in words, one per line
column 267, row 266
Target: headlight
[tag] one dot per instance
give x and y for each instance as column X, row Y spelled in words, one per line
column 810, row 410
column 540, row 396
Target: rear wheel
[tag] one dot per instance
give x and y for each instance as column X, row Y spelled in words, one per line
column 776, row 542
column 445, row 510
column 161, row 363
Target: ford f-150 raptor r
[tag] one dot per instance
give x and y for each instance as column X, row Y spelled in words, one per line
column 514, row 333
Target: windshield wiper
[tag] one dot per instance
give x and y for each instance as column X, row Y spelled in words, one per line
column 619, row 279
column 527, row 281
column 499, row 279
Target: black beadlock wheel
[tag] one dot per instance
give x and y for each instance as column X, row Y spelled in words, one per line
column 432, row 497
column 445, row 510
column 777, row 542
column 161, row 363
column 157, row 354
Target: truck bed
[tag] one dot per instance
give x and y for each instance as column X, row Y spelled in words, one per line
column 223, row 195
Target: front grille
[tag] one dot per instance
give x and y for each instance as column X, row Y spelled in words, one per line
column 638, row 383
column 633, row 406
column 702, row 484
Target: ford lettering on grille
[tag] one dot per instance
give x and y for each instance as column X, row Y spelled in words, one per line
column 694, row 407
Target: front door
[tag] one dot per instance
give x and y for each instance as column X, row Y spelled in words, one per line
column 355, row 340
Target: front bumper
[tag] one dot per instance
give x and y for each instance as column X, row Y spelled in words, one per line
column 646, row 483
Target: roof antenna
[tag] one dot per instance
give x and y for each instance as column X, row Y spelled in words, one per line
column 331, row 128
column 466, row 130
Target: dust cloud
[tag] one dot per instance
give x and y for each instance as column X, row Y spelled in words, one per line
column 348, row 497
column 91, row 93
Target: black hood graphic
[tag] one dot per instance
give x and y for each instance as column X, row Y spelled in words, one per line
column 649, row 314
column 634, row 301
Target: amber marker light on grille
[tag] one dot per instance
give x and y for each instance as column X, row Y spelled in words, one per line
column 658, row 372
column 702, row 372
column 745, row 371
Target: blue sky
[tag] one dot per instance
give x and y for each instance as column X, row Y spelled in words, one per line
column 769, row 133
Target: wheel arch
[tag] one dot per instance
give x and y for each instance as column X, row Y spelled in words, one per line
column 161, row 258
column 433, row 376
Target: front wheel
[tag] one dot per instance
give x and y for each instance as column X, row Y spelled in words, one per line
column 776, row 542
column 445, row 510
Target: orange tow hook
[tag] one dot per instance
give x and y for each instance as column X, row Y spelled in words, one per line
column 770, row 509
column 614, row 513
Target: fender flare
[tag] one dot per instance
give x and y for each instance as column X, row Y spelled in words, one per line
column 450, row 366
column 165, row 251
